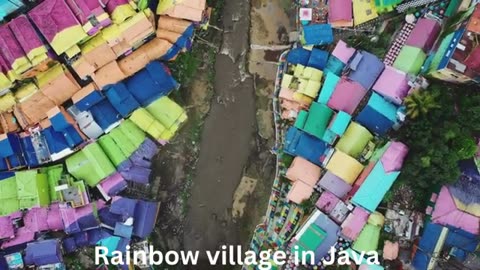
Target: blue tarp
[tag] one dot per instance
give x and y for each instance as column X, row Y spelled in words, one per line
column 366, row 70
column 43, row 253
column 60, row 124
column 298, row 56
column 318, row 59
column 11, row 149
column 151, row 83
column 317, row 34
column 105, row 114
column 171, row 53
column 122, row 100
column 374, row 121
column 145, row 218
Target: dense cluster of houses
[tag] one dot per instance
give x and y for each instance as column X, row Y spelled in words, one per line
column 84, row 107
column 339, row 107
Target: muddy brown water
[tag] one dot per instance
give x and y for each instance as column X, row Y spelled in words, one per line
column 226, row 140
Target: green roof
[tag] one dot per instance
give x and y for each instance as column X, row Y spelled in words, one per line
column 312, row 237
column 301, row 119
column 318, row 119
column 368, row 239
column 410, row 60
column 354, row 140
column 331, row 80
column 132, row 132
column 54, row 174
column 442, row 49
column 90, row 164
column 8, row 196
column 168, row 113
column 113, row 150
column 32, row 189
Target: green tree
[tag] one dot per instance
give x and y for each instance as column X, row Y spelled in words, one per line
column 420, row 103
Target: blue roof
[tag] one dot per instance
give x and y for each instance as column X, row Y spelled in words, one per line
column 122, row 100
column 451, row 48
column 317, row 34
column 299, row 143
column 145, row 218
column 340, row 123
column 7, row 7
column 426, row 246
column 298, row 56
column 55, row 140
column 367, row 70
column 105, row 114
column 334, row 65
column 384, row 107
column 43, row 252
column 376, row 185
column 151, row 83
column 374, row 121
column 332, row 230
column 318, row 59
column 29, row 152
column 328, row 87
column 89, row 100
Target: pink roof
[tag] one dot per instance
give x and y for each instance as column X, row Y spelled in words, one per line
column 327, row 202
column 299, row 192
column 303, row 170
column 113, row 184
column 390, row 250
column 353, row 225
column 393, row 158
column 6, row 227
column 340, row 10
column 392, row 84
column 343, row 52
column 22, row 236
column 346, row 96
column 36, row 219
column 424, row 34
column 54, row 219
column 447, row 213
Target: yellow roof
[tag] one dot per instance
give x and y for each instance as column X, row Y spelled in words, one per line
column 344, row 166
column 363, row 11
column 473, row 208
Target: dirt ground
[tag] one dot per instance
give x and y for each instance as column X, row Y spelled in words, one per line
column 214, row 179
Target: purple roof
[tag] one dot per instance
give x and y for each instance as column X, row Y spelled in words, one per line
column 6, row 227
column 9, row 46
column 113, row 184
column 366, row 68
column 343, row 52
column 51, row 17
column 25, row 34
column 137, row 174
column 327, row 202
column 36, row 219
column 87, row 217
column 123, row 206
column 392, row 84
column 145, row 218
column 22, row 236
column 334, row 184
column 54, row 218
column 113, row 4
column 43, row 253
column 83, row 9
column 332, row 230
column 392, row 159
column 346, row 96
column 424, row 34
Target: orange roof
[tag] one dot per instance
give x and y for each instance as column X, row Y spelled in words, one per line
column 109, row 74
column 305, row 171
column 133, row 62
column 299, row 192
column 474, row 23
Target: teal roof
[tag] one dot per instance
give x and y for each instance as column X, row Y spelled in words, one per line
column 326, row 92
column 376, row 185
column 387, row 109
column 7, row 7
column 301, row 119
column 318, row 119
column 340, row 123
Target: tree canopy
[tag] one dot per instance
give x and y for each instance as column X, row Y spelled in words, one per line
column 439, row 139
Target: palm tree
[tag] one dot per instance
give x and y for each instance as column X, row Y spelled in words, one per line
column 420, row 103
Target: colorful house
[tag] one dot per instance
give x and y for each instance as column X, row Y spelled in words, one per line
column 353, row 225
column 61, row 34
column 299, row 143
column 365, row 69
column 317, row 34
column 337, row 127
column 363, row 11
column 424, row 34
column 334, row 184
column 378, row 115
column 347, row 96
column 410, row 60
column 344, row 166
column 340, row 13
column 368, row 238
column 90, row 14
column 8, row 7
column 13, row 53
column 331, row 81
column 317, row 120
column 392, row 85
column 354, row 140
column 43, row 253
